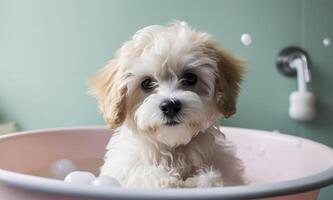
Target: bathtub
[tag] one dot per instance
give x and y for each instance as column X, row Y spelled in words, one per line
column 279, row 166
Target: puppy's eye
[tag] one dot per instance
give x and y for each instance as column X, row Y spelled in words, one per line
column 147, row 85
column 190, row 79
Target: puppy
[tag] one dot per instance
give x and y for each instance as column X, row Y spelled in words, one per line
column 163, row 94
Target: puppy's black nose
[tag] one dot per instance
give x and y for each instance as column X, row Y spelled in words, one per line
column 170, row 108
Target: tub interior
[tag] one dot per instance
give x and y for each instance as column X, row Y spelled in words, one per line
column 33, row 154
column 268, row 157
column 273, row 157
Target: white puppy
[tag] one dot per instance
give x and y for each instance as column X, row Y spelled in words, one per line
column 163, row 94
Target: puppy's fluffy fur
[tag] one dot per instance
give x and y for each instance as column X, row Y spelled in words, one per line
column 145, row 150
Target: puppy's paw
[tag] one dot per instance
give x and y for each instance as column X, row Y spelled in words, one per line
column 205, row 178
column 153, row 177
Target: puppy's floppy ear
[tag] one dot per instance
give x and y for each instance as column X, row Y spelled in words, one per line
column 228, row 78
column 105, row 86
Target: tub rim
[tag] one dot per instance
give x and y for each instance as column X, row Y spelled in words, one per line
column 57, row 187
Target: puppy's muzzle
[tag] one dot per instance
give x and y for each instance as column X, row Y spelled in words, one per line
column 171, row 109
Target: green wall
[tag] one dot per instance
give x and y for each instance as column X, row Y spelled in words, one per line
column 48, row 49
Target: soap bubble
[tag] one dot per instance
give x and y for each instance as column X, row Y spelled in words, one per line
column 80, row 177
column 106, row 181
column 60, row 168
column 326, row 42
column 246, row 39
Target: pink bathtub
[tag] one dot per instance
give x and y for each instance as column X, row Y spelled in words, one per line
column 280, row 167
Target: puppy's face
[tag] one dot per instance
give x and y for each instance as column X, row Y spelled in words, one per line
column 169, row 82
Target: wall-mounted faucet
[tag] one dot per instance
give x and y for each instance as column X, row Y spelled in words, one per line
column 294, row 61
